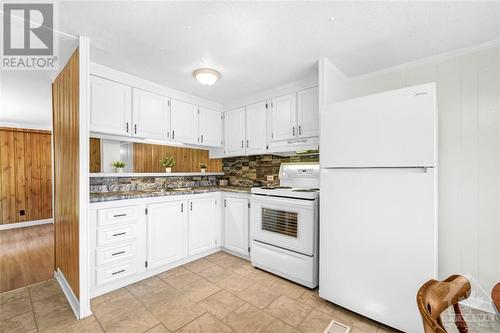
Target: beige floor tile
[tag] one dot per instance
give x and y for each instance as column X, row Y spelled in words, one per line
column 278, row 326
column 108, row 296
column 315, row 322
column 53, row 303
column 138, row 320
column 158, row 329
column 344, row 316
column 386, row 329
column 258, row 295
column 19, row 324
column 145, row 286
column 154, row 292
column 173, row 271
column 288, row 288
column 45, row 289
column 248, row 319
column 263, row 277
column 221, row 303
column 365, row 324
column 13, row 295
column 199, row 290
column 216, row 274
column 106, row 311
column 198, row 266
column 241, row 267
column 235, row 282
column 180, row 279
column 15, row 308
column 230, row 261
column 174, row 317
column 218, row 256
column 288, row 310
column 86, row 325
column 311, row 298
column 55, row 320
column 205, row 324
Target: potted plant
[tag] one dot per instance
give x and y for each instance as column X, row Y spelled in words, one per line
column 168, row 162
column 203, row 167
column 119, row 165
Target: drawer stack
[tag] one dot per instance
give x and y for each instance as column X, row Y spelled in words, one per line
column 117, row 237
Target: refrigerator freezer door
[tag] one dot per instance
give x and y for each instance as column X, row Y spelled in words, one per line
column 378, row 241
column 391, row 129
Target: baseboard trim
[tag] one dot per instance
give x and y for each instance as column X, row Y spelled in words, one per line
column 68, row 292
column 25, row 224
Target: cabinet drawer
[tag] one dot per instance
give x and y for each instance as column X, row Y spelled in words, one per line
column 112, row 216
column 107, row 236
column 115, row 254
column 115, row 272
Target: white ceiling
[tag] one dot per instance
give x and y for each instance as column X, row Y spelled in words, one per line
column 258, row 45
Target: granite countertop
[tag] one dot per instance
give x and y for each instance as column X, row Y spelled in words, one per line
column 112, row 196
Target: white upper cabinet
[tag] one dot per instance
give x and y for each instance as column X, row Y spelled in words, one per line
column 256, row 128
column 284, row 117
column 308, row 113
column 184, row 122
column 210, row 128
column 151, row 115
column 167, row 233
column 110, row 107
column 234, row 124
column 202, row 224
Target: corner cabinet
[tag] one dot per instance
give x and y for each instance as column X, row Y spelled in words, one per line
column 256, row 128
column 308, row 113
column 150, row 115
column 203, row 222
column 284, row 117
column 110, row 107
column 166, row 233
column 236, row 228
column 234, row 125
column 184, row 122
column 210, row 127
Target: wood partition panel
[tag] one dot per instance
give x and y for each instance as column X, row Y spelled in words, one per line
column 147, row 158
column 25, row 175
column 65, row 118
column 95, row 155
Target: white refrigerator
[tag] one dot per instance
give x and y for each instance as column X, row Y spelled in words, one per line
column 378, row 220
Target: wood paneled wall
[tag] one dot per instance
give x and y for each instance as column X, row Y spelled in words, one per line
column 147, row 158
column 65, row 118
column 25, row 175
column 95, row 155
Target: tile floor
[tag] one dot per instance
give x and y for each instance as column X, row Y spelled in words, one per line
column 219, row 293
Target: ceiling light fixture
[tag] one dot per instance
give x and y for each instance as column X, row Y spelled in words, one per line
column 206, row 76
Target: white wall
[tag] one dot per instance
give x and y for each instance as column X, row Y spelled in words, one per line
column 468, row 93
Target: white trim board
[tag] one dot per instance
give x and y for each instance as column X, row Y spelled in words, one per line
column 25, row 224
column 14, row 124
column 70, row 296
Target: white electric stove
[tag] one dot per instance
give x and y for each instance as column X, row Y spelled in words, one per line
column 284, row 224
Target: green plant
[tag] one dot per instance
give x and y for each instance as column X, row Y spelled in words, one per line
column 119, row 164
column 203, row 166
column 167, row 162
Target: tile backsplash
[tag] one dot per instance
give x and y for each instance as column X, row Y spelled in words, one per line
column 254, row 170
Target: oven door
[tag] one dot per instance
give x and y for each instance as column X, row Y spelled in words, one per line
column 284, row 222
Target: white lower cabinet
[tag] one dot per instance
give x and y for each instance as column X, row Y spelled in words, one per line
column 167, row 231
column 202, row 233
column 236, row 224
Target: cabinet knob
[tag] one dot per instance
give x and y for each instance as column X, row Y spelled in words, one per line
column 126, row 126
column 300, row 130
column 293, row 130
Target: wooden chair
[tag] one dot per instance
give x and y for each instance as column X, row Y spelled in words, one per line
column 436, row 296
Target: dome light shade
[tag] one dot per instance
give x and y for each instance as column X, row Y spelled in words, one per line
column 206, row 76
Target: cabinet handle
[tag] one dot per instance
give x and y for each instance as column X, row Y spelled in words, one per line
column 300, row 130
column 168, row 134
column 182, row 208
column 191, row 206
column 293, row 130
column 126, row 126
column 242, row 144
column 119, row 234
column 247, row 143
column 225, row 205
column 118, row 272
column 119, row 215
column 135, row 128
column 173, row 134
column 202, row 138
column 117, row 253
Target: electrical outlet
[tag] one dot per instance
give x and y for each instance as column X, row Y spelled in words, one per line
column 270, row 178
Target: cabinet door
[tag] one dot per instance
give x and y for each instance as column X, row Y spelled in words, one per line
column 184, row 122
column 256, row 128
column 167, row 233
column 236, row 224
column 110, row 107
column 210, row 128
column 151, row 115
column 284, row 117
column 308, row 112
column 201, row 226
column 234, row 124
